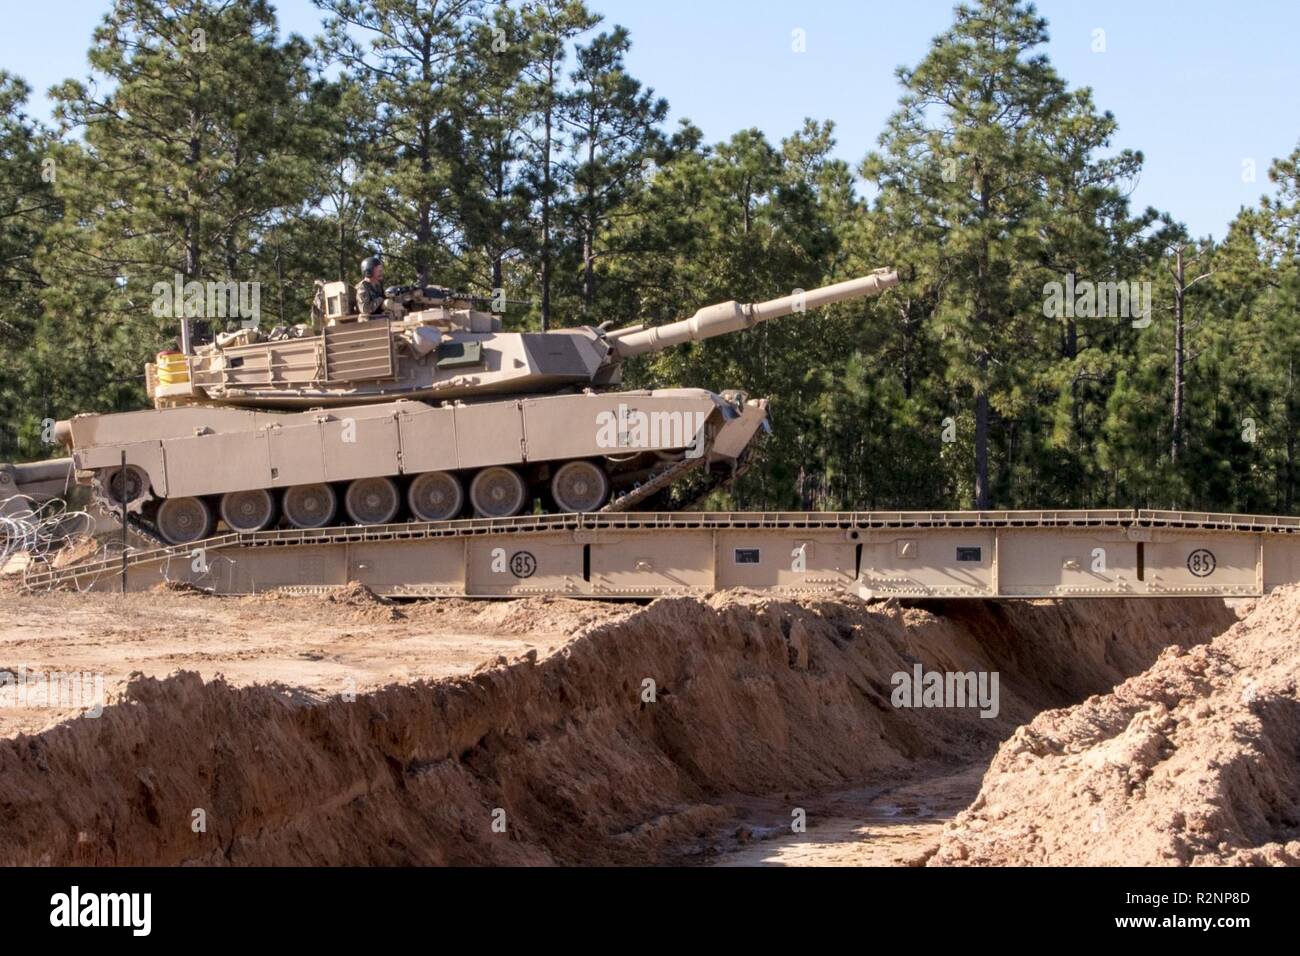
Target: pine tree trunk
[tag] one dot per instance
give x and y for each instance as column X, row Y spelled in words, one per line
column 498, row 245
column 589, row 234
column 424, row 227
column 1176, row 432
column 905, row 311
column 191, row 216
column 279, row 283
column 983, row 321
column 343, row 250
column 982, row 497
column 588, row 273
column 1290, row 438
column 548, row 122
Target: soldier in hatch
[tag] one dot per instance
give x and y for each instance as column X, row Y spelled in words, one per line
column 370, row 290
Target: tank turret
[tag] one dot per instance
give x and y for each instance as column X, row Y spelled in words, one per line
column 426, row 410
column 436, row 344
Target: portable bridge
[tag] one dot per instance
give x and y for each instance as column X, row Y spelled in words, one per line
column 914, row 554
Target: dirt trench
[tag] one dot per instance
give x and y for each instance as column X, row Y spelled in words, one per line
column 761, row 708
column 1195, row 761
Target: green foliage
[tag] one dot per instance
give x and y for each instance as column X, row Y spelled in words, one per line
column 28, row 208
column 506, row 146
column 197, row 137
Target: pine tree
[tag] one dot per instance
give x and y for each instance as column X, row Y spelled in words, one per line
column 614, row 137
column 490, row 181
column 408, row 57
column 551, row 25
column 27, row 208
column 969, row 148
column 190, row 106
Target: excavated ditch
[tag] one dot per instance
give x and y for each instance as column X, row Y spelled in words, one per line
column 564, row 759
column 1195, row 761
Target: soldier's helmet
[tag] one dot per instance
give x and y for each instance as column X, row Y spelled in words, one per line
column 368, row 265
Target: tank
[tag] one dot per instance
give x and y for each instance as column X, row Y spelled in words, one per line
column 428, row 411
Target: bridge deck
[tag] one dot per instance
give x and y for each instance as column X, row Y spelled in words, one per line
column 913, row 554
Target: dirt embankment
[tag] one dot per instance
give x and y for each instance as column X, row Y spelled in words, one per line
column 320, row 646
column 1195, row 761
column 560, row 757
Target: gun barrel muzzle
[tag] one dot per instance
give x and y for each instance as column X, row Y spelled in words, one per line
column 858, row 288
column 713, row 320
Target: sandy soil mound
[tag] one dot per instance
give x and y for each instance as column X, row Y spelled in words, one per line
column 557, row 757
column 364, row 604
column 78, row 549
column 1195, row 761
column 519, row 616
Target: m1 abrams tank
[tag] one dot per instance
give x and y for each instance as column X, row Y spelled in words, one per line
column 428, row 410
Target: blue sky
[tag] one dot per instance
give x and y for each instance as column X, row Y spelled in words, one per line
column 1200, row 86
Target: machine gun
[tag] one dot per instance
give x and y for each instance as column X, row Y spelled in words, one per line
column 415, row 297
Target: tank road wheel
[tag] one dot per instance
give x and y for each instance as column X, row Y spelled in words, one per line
column 119, row 487
column 580, row 486
column 498, row 492
column 184, row 520
column 372, row 500
column 435, row 496
column 247, row 510
column 309, row 506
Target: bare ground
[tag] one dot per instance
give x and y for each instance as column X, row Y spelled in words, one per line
column 317, row 645
column 352, row 730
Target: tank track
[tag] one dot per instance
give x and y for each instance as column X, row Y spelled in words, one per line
column 630, row 499
column 146, row 529
column 141, row 524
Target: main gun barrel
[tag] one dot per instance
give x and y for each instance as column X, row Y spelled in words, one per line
column 734, row 317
